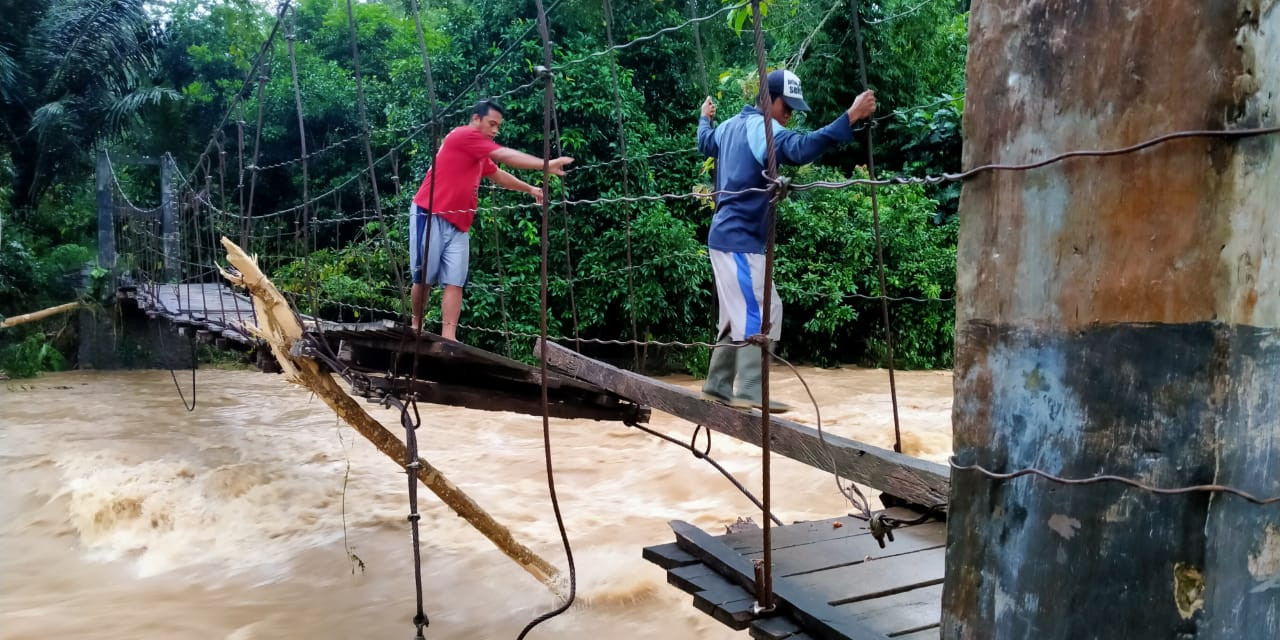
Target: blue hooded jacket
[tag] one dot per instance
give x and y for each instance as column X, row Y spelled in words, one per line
column 741, row 223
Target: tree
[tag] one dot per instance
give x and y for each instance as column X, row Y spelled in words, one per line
column 77, row 71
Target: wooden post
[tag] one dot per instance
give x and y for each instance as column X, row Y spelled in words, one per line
column 278, row 324
column 1118, row 316
column 169, row 220
column 106, row 224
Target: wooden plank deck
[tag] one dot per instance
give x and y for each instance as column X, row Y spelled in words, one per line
column 394, row 359
column 209, row 307
column 832, row 580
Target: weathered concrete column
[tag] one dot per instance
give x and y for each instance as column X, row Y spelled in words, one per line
column 169, row 221
column 1118, row 316
column 106, row 222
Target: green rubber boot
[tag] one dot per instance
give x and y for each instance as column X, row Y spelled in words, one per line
column 748, row 393
column 720, row 373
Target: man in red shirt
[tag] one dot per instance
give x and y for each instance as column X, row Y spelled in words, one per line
column 447, row 201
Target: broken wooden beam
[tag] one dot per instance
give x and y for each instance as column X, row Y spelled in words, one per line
column 277, row 324
column 919, row 481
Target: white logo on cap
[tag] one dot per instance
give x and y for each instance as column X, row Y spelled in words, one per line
column 791, row 85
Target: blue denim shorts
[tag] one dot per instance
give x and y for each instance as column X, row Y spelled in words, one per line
column 449, row 255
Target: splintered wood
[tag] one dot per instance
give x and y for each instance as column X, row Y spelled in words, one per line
column 278, row 325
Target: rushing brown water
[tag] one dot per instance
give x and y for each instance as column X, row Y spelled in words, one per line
column 123, row 516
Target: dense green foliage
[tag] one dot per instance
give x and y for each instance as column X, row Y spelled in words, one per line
column 164, row 76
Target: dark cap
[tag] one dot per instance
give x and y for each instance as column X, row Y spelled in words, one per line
column 787, row 85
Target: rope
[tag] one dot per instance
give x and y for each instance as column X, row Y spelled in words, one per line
column 257, row 150
column 875, row 218
column 548, row 108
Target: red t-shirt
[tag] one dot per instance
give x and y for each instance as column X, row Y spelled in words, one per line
column 462, row 160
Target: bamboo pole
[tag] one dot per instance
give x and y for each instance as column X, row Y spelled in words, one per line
column 38, row 315
column 279, row 326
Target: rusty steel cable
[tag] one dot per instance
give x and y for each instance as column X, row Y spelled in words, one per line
column 548, row 108
column 253, row 70
column 564, row 218
column 852, row 493
column 705, row 454
column 856, row 18
column 411, row 466
column 368, row 145
column 626, row 191
column 703, row 83
column 1083, row 153
column 1098, row 479
column 652, row 36
column 764, row 571
column 307, row 238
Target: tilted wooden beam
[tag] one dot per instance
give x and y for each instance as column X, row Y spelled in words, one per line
column 918, row 481
column 278, row 325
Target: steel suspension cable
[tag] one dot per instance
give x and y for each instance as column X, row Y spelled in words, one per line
column 697, row 46
column 253, row 68
column 434, row 138
column 626, row 192
column 548, row 107
column 564, row 217
column 306, row 235
column 875, row 218
column 244, row 220
column 368, row 149
column 764, row 570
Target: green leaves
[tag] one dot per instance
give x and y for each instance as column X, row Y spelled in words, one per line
column 28, row 358
column 828, row 276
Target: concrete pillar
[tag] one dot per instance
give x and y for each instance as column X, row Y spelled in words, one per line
column 169, row 221
column 1118, row 316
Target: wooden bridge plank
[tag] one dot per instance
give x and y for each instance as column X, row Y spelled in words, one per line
column 800, row 533
column 851, row 550
column 775, row 628
column 901, row 612
column 819, row 618
column 668, row 556
column 878, row 578
column 918, row 481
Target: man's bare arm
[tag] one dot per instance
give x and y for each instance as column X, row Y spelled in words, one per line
column 508, row 181
column 521, row 160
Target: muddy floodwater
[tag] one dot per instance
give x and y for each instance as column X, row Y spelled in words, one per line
column 258, row 515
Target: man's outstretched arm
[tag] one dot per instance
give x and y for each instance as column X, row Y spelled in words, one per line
column 521, row 160
column 508, row 181
column 796, row 149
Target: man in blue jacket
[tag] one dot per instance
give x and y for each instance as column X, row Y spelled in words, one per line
column 740, row 227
